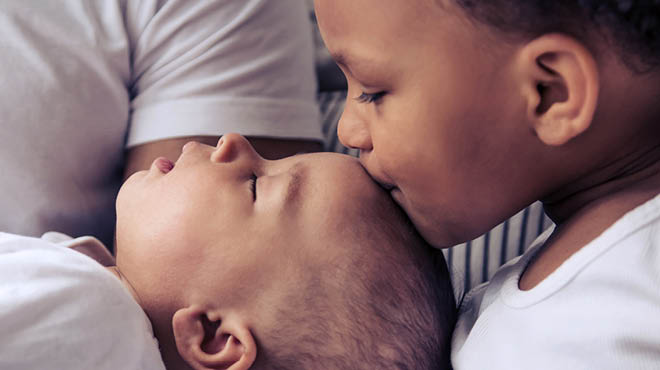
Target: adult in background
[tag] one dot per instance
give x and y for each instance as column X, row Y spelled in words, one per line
column 92, row 91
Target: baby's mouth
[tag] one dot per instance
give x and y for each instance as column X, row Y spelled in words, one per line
column 164, row 164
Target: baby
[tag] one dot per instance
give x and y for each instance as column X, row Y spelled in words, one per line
column 240, row 262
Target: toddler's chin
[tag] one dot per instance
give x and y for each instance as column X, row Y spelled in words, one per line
column 442, row 234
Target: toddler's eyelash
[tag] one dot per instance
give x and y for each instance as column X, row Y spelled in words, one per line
column 371, row 98
column 253, row 186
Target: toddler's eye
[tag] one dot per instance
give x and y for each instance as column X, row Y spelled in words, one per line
column 253, row 186
column 371, row 98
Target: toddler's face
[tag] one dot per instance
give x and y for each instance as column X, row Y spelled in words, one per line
column 225, row 218
column 429, row 108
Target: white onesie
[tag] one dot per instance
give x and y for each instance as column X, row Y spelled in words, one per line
column 61, row 310
column 599, row 310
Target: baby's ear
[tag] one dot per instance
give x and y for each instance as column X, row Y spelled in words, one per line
column 206, row 340
column 560, row 83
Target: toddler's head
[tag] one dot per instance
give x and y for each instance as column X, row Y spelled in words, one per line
column 298, row 263
column 470, row 110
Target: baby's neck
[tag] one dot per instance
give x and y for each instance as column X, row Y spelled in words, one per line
column 97, row 251
column 115, row 271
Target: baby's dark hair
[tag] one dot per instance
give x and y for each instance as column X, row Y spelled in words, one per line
column 386, row 304
column 633, row 26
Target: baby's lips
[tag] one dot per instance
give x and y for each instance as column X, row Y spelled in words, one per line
column 164, row 164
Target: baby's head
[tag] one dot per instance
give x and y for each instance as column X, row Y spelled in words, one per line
column 298, row 263
column 470, row 110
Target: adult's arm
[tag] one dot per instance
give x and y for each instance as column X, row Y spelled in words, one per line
column 203, row 69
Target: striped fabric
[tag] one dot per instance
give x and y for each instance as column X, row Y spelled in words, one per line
column 473, row 262
column 476, row 261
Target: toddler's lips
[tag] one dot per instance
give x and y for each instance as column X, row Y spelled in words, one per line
column 163, row 164
column 385, row 185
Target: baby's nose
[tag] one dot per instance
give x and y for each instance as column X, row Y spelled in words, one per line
column 230, row 147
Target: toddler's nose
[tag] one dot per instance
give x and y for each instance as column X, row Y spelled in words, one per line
column 353, row 132
column 231, row 147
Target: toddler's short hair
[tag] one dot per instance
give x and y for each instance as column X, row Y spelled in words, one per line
column 386, row 304
column 633, row 25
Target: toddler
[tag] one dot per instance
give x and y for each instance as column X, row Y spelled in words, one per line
column 238, row 262
column 468, row 111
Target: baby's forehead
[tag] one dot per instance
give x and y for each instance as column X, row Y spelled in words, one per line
column 341, row 171
column 344, row 192
column 328, row 164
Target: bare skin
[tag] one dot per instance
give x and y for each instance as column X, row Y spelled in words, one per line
column 140, row 157
column 589, row 217
column 628, row 176
column 220, row 219
column 466, row 129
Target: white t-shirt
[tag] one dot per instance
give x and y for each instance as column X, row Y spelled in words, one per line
column 83, row 79
column 60, row 309
column 599, row 310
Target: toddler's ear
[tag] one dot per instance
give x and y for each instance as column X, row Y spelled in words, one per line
column 205, row 340
column 560, row 83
